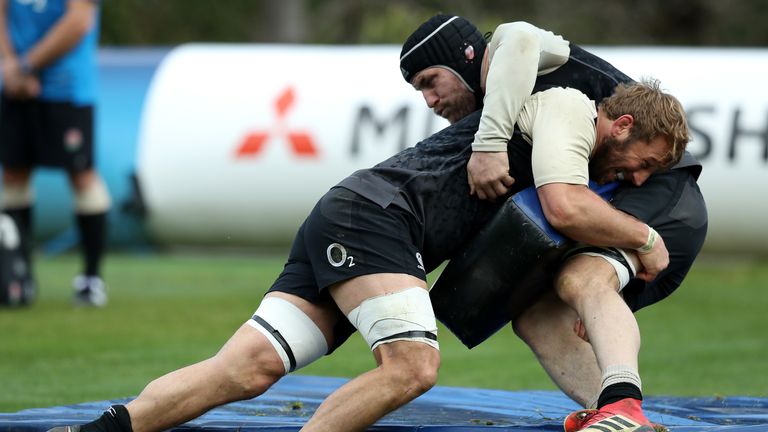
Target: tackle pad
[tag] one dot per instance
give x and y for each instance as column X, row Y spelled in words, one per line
column 503, row 270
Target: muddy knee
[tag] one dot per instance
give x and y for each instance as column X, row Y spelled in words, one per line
column 403, row 328
column 591, row 271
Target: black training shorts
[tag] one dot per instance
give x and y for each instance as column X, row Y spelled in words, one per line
column 672, row 204
column 43, row 133
column 346, row 236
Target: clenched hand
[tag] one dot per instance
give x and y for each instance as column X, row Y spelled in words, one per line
column 488, row 175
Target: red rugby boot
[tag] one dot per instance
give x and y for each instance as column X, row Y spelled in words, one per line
column 625, row 415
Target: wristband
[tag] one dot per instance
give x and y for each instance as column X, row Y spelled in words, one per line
column 652, row 237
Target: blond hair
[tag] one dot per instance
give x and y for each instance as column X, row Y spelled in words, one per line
column 655, row 114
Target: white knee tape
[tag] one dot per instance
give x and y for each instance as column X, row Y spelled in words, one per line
column 17, row 196
column 624, row 270
column 93, row 199
column 296, row 338
column 404, row 315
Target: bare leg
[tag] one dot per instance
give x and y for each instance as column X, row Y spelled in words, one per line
column 82, row 179
column 406, row 369
column 547, row 327
column 16, row 176
column 248, row 365
column 589, row 285
column 245, row 367
column 16, row 199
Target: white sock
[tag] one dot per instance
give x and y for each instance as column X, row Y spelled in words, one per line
column 621, row 373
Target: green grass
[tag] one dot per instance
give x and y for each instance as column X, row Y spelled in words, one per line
column 167, row 311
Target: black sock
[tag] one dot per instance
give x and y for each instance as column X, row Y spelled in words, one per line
column 93, row 233
column 616, row 392
column 22, row 217
column 115, row 419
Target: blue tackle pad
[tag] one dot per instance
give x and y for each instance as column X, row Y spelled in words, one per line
column 503, row 270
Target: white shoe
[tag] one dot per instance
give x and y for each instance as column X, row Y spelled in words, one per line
column 90, row 291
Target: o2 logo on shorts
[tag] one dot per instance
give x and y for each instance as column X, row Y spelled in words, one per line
column 337, row 256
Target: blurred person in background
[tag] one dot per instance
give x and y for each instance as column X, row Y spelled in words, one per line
column 458, row 71
column 48, row 52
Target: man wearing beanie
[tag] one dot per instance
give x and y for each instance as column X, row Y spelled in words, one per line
column 447, row 59
column 447, row 46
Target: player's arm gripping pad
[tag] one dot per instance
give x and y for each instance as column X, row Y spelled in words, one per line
column 502, row 271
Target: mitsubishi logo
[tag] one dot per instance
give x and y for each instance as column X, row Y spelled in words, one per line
column 300, row 143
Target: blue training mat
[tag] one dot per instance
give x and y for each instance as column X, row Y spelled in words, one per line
column 288, row 405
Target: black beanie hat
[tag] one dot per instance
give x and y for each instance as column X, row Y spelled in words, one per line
column 448, row 41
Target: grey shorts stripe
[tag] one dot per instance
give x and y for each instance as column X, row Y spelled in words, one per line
column 412, row 334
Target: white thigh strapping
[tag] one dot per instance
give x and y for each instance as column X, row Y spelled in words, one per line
column 404, row 315
column 296, row 338
column 624, row 272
